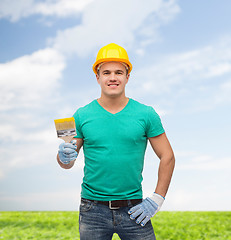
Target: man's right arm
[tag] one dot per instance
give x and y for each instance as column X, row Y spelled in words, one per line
column 79, row 143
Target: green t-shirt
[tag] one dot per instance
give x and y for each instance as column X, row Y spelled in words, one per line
column 114, row 147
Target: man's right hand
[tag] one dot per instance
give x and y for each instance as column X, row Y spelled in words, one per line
column 67, row 152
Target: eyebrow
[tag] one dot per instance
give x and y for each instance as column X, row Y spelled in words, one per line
column 106, row 71
column 118, row 70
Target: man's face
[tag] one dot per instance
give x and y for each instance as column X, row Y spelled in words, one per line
column 112, row 77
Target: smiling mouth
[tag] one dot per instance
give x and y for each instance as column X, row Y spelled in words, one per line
column 113, row 85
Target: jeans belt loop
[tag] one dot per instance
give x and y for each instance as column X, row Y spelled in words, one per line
column 112, row 208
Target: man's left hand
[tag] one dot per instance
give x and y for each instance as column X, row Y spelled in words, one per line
column 147, row 209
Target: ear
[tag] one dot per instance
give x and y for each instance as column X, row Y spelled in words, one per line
column 128, row 76
column 97, row 77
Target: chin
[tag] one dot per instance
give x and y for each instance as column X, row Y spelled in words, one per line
column 114, row 95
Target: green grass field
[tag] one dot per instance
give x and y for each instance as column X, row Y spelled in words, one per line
column 64, row 225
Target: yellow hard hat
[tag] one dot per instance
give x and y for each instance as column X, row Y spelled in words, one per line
column 112, row 53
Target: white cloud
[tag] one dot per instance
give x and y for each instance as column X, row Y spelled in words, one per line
column 28, row 80
column 195, row 161
column 223, row 94
column 206, row 164
column 28, row 84
column 203, row 72
column 203, row 199
column 115, row 21
column 61, row 8
column 193, row 66
column 185, row 199
column 15, row 10
column 65, row 200
column 1, row 174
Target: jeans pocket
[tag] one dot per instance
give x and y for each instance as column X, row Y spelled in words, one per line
column 85, row 205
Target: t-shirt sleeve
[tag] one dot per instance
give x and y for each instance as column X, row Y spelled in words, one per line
column 78, row 125
column 154, row 125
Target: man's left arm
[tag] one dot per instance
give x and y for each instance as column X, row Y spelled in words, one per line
column 163, row 150
column 151, row 205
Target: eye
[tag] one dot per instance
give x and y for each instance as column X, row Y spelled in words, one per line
column 106, row 73
column 119, row 73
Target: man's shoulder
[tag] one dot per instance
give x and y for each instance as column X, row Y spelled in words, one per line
column 146, row 111
column 139, row 105
column 85, row 109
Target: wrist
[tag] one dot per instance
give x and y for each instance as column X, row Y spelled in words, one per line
column 159, row 195
column 65, row 165
column 158, row 199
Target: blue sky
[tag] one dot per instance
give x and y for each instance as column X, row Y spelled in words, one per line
column 181, row 56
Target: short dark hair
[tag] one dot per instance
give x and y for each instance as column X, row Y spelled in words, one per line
column 99, row 69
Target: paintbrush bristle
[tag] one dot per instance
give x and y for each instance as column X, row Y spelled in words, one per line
column 65, row 123
column 65, row 127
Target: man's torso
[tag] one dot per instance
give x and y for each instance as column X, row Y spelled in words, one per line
column 114, row 148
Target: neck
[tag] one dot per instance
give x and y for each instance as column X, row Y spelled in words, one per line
column 113, row 104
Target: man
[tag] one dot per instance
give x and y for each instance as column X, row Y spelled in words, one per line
column 113, row 131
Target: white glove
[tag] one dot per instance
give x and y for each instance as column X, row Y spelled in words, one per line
column 67, row 152
column 147, row 209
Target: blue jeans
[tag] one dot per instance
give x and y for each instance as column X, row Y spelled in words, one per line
column 99, row 222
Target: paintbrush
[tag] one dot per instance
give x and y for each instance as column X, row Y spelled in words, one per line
column 65, row 128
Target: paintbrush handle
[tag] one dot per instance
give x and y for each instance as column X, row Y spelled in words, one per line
column 67, row 139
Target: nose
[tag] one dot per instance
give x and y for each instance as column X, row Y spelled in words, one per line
column 113, row 76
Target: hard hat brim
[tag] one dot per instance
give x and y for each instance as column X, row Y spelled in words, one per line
column 94, row 67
